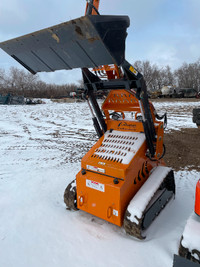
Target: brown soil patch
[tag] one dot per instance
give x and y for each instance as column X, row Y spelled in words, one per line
column 183, row 149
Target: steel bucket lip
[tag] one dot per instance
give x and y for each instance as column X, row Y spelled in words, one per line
column 88, row 41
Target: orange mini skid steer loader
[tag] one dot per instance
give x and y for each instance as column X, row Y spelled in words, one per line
column 123, row 178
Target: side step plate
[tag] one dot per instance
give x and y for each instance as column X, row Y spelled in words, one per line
column 86, row 42
column 182, row 262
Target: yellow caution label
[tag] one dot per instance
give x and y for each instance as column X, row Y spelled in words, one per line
column 133, row 70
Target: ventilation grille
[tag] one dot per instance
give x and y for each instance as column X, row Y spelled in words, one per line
column 121, row 98
column 119, row 147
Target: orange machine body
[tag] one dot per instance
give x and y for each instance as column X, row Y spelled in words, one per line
column 116, row 167
column 197, row 199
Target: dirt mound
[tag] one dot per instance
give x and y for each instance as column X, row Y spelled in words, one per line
column 183, row 149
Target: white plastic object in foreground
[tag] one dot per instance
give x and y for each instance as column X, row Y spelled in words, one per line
column 191, row 234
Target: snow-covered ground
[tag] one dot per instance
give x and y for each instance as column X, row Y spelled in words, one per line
column 41, row 147
column 179, row 113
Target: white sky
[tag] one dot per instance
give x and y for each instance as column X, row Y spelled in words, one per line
column 165, row 32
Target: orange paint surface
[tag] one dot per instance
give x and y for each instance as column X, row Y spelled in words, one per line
column 106, row 184
column 197, row 199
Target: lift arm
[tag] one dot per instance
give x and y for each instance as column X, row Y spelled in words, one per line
column 92, row 7
column 132, row 80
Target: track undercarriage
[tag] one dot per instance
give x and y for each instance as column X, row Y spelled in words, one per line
column 138, row 219
column 189, row 247
column 193, row 255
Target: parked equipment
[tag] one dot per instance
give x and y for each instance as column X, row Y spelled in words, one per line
column 123, row 178
column 196, row 116
column 10, row 99
column 4, row 100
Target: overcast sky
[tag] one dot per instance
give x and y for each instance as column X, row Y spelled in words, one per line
column 166, row 32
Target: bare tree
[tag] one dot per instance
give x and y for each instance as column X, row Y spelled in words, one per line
column 23, row 82
column 188, row 75
column 168, row 76
column 2, row 78
column 156, row 77
column 150, row 72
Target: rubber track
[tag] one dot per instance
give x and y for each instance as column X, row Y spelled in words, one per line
column 136, row 230
column 185, row 253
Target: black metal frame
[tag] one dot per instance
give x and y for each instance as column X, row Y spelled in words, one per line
column 131, row 80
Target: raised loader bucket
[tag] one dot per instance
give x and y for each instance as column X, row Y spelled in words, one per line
column 86, row 42
column 182, row 262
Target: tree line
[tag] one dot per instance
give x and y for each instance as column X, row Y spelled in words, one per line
column 186, row 76
column 20, row 82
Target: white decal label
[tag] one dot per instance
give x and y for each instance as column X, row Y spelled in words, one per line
column 95, row 185
column 115, row 213
column 95, row 169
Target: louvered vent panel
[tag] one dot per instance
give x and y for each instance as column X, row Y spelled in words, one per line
column 119, row 146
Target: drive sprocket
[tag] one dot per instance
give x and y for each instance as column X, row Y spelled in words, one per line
column 70, row 197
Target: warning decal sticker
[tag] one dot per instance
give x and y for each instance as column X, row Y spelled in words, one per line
column 95, row 185
column 133, row 70
column 95, row 169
